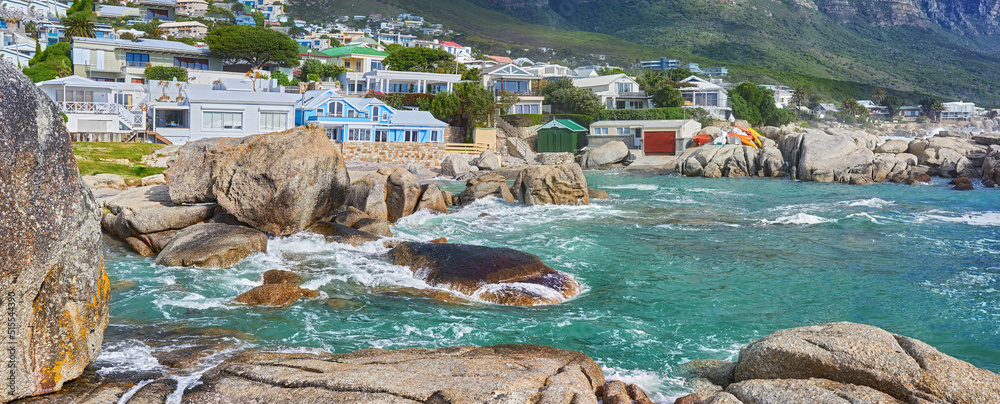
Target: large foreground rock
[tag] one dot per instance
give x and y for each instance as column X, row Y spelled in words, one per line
column 604, row 155
column 851, row 361
column 562, row 184
column 388, row 194
column 143, row 216
column 54, row 288
column 834, row 155
column 492, row 184
column 498, row 275
column 279, row 183
column 494, row 374
column 454, row 165
column 212, row 245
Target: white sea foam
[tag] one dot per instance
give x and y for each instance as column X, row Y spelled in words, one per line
column 637, row 187
column 528, row 288
column 131, row 392
column 973, row 219
column 870, row 202
column 194, row 378
column 660, row 388
column 798, row 219
column 126, row 356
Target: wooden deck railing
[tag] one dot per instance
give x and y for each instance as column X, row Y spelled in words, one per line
column 469, row 148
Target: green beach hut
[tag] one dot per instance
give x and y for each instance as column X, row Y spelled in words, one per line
column 561, row 135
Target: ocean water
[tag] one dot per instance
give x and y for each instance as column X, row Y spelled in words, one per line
column 673, row 269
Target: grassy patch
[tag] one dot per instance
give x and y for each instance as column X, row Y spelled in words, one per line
column 89, row 155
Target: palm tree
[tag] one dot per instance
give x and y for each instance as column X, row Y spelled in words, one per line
column 79, row 24
column 878, row 95
column 931, row 107
column 850, row 106
column 800, row 96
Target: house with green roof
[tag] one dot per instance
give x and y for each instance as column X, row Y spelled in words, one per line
column 561, row 135
column 358, row 59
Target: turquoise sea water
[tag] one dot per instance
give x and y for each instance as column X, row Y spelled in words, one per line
column 673, row 269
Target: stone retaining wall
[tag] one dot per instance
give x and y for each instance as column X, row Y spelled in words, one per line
column 399, row 153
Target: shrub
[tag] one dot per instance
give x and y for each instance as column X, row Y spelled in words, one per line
column 166, row 73
column 639, row 114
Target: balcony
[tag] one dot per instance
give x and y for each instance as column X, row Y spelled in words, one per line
column 521, row 93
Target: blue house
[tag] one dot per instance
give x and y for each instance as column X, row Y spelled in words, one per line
column 245, row 20
column 366, row 119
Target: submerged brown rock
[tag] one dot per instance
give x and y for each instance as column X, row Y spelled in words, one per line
column 498, row 275
column 53, row 285
column 212, row 245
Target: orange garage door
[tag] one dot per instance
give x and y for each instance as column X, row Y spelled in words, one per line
column 660, row 142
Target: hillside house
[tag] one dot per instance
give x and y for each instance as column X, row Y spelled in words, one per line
column 958, row 111
column 823, row 109
column 661, row 64
column 366, row 119
column 517, row 80
column 191, row 8
column 126, row 61
column 616, row 91
column 704, row 94
column 874, row 110
column 182, row 112
column 390, row 81
column 185, row 29
column 96, row 107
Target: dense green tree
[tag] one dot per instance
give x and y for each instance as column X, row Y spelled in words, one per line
column 756, row 105
column 677, row 74
column 931, row 107
column 166, row 73
column 650, row 79
column 79, row 25
column 320, row 69
column 665, row 95
column 51, row 63
column 152, row 28
column 893, row 103
column 878, row 95
column 851, row 107
column 607, row 71
column 283, row 79
column 703, row 117
column 254, row 45
column 127, row 36
column 417, row 59
column 477, row 104
column 81, row 6
column 474, row 74
column 237, row 8
column 445, row 105
column 258, row 18
column 568, row 99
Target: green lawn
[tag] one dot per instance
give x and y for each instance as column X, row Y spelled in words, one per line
column 89, row 156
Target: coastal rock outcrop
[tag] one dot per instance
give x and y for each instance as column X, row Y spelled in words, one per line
column 146, row 219
column 413, row 375
column 432, row 199
column 355, row 218
column 454, row 165
column 388, row 194
column 833, row 155
column 562, row 184
column 488, row 161
column 853, row 361
column 278, row 183
column 485, row 185
column 497, row 275
column 212, row 245
column 339, row 233
column 604, row 155
column 54, row 287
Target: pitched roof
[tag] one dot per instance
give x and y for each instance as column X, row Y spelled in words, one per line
column 565, row 124
column 501, row 59
column 77, row 81
column 422, row 118
column 452, row 44
column 599, row 80
column 353, row 50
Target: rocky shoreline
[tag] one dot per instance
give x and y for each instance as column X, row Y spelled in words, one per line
column 223, row 199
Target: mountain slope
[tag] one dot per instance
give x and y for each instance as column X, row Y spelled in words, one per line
column 947, row 51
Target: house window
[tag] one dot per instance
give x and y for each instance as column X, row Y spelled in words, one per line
column 337, row 109
column 600, row 131
column 526, row 109
column 273, row 121
column 222, row 120
column 624, row 87
column 385, row 116
column 435, row 136
column 410, row 136
column 191, row 63
column 331, row 133
column 350, row 113
column 123, row 99
column 624, row 131
column 359, row 135
column 136, row 59
column 381, row 136
column 347, row 64
column 375, row 112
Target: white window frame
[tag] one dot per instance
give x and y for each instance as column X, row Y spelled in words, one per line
column 273, row 121
column 234, row 119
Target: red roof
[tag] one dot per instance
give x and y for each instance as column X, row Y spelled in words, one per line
column 502, row 59
column 452, row 44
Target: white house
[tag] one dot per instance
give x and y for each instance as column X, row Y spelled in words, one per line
column 548, row 71
column 616, row 91
column 824, row 108
column 958, row 110
column 97, row 107
column 182, row 112
column 390, row 81
column 704, row 94
column 513, row 79
column 874, row 110
column 120, row 60
column 653, row 137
